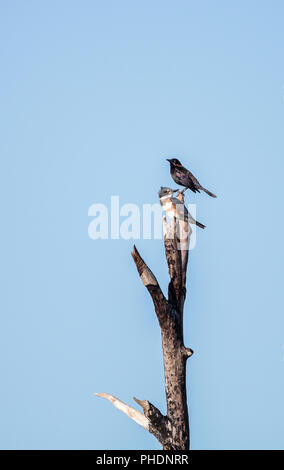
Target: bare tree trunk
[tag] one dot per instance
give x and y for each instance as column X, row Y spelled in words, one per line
column 172, row 430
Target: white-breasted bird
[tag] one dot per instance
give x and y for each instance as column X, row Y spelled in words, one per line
column 173, row 207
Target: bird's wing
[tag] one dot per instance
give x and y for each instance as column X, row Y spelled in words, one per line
column 187, row 179
column 181, row 210
column 193, row 179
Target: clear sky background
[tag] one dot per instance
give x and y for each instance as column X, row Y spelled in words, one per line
column 94, row 95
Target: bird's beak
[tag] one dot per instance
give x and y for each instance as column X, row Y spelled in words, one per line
column 168, row 160
column 175, row 190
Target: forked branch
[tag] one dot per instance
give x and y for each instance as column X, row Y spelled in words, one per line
column 172, row 430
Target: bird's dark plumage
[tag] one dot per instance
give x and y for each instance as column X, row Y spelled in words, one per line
column 185, row 178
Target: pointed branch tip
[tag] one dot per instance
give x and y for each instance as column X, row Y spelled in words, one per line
column 136, row 415
column 144, row 271
column 143, row 403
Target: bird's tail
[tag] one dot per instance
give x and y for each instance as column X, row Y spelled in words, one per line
column 208, row 192
column 200, row 225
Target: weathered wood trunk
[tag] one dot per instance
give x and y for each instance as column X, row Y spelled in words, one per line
column 172, row 430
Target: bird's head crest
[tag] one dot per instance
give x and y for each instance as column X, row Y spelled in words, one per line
column 164, row 191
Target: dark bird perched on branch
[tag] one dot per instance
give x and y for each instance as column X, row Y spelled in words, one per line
column 185, row 178
column 173, row 207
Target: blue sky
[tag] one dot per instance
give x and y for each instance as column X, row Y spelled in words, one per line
column 94, row 96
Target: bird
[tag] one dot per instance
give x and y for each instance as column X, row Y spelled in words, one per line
column 173, row 207
column 185, row 178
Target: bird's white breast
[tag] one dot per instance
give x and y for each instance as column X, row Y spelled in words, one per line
column 168, row 207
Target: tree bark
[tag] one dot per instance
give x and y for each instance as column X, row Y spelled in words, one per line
column 172, row 430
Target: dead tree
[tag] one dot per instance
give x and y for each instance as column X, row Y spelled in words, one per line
column 172, row 430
